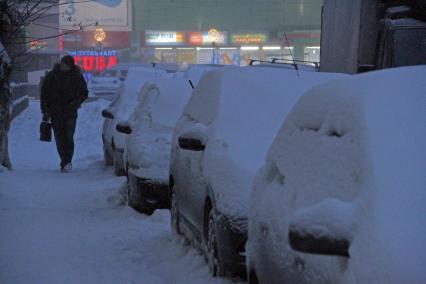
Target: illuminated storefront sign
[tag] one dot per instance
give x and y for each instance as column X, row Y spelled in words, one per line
column 164, row 38
column 255, row 38
column 219, row 37
column 195, row 38
column 38, row 44
column 203, row 38
column 91, row 60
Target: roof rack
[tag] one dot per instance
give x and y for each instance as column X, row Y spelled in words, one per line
column 294, row 63
column 257, row 60
column 290, row 61
column 270, row 62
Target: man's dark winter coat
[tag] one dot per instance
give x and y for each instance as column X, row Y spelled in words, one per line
column 62, row 92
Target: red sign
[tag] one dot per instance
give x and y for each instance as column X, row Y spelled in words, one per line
column 92, row 63
column 195, row 38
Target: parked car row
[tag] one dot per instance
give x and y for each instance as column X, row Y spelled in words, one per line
column 106, row 84
column 281, row 175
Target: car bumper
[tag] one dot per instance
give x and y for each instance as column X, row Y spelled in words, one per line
column 149, row 194
column 232, row 238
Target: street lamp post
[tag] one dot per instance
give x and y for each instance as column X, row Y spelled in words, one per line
column 214, row 36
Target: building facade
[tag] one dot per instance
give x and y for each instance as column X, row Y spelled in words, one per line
column 102, row 33
column 240, row 30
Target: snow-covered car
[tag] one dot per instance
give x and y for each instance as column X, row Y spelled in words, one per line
column 106, row 84
column 120, row 109
column 341, row 197
column 219, row 143
column 148, row 145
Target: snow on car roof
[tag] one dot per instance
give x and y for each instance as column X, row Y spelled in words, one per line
column 196, row 71
column 137, row 76
column 165, row 99
column 253, row 104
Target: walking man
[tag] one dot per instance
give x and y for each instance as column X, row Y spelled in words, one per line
column 63, row 91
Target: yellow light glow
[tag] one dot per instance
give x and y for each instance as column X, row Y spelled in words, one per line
column 99, row 35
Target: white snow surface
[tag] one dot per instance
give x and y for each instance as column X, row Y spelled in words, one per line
column 243, row 109
column 75, row 228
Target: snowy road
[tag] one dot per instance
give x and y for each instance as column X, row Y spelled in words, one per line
column 75, row 228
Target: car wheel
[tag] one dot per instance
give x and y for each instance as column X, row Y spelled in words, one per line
column 118, row 171
column 211, row 246
column 253, row 278
column 175, row 214
column 107, row 157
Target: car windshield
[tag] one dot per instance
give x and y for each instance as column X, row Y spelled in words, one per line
column 407, row 44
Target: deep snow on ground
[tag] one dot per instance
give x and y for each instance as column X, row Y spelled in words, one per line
column 76, row 228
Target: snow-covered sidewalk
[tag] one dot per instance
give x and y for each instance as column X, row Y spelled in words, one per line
column 76, row 228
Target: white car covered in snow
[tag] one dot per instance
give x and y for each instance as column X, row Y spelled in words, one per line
column 121, row 109
column 148, row 144
column 107, row 83
column 219, row 143
column 341, row 197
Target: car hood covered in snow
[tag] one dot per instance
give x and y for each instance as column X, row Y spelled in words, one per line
column 148, row 153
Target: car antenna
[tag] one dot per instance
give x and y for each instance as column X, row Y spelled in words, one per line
column 192, row 85
column 291, row 54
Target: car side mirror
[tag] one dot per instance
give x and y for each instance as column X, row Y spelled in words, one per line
column 124, row 127
column 191, row 144
column 194, row 138
column 325, row 228
column 106, row 113
column 311, row 243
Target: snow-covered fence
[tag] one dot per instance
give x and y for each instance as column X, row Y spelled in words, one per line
column 20, row 99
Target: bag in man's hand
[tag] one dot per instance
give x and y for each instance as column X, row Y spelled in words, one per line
column 45, row 131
